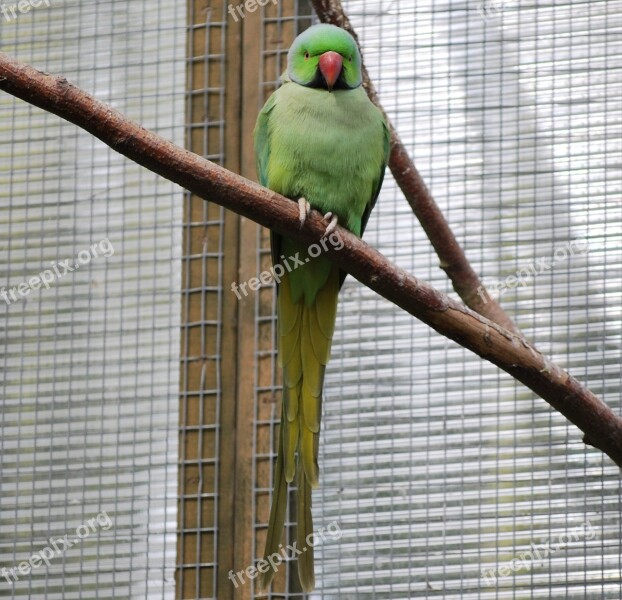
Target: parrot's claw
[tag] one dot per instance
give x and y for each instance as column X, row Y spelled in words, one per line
column 332, row 225
column 305, row 208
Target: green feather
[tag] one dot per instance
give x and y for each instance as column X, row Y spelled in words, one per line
column 303, row 529
column 277, row 512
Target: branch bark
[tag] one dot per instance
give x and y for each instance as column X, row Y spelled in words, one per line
column 452, row 258
column 487, row 339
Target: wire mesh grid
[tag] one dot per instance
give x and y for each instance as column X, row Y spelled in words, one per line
column 89, row 390
column 202, row 311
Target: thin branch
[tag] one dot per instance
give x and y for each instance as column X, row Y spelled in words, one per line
column 452, row 259
column 602, row 427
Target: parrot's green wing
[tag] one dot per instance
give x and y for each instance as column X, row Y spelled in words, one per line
column 262, row 146
column 372, row 202
column 262, row 157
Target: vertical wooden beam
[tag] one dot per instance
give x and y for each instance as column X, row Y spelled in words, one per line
column 209, row 335
column 246, row 378
column 229, row 434
column 224, row 361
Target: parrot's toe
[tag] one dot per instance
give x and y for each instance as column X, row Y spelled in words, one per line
column 305, row 208
column 332, row 225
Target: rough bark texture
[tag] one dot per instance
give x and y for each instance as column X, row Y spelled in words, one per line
column 452, row 258
column 510, row 352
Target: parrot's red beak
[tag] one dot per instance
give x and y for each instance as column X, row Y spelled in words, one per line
column 330, row 67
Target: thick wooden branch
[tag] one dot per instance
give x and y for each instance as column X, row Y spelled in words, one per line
column 602, row 427
column 452, row 258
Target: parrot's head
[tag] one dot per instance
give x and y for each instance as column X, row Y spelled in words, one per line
column 325, row 57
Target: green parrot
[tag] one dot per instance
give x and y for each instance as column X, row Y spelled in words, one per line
column 320, row 141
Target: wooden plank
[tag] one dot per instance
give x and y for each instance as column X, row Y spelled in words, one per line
column 204, row 327
column 243, row 338
column 243, row 539
column 229, row 377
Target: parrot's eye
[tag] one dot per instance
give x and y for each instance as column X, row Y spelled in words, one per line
column 307, row 55
column 350, row 59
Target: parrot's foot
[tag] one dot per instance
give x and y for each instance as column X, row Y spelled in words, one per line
column 305, row 208
column 332, row 225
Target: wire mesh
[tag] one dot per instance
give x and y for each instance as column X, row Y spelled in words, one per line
column 201, row 385
column 89, row 390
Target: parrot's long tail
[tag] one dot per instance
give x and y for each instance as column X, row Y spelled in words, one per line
column 306, row 333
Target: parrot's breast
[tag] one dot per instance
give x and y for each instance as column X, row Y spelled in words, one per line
column 327, row 147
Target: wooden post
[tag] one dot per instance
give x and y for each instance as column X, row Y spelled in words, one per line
column 228, row 366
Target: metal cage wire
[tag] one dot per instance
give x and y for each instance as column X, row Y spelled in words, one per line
column 90, row 364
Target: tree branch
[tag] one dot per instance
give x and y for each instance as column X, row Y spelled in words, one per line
column 602, row 427
column 452, row 259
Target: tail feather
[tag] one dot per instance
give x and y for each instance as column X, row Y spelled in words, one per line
column 307, row 456
column 306, row 572
column 319, row 342
column 290, row 342
column 291, row 396
column 290, row 431
column 289, row 312
column 305, row 333
column 326, row 310
column 311, row 407
column 277, row 513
